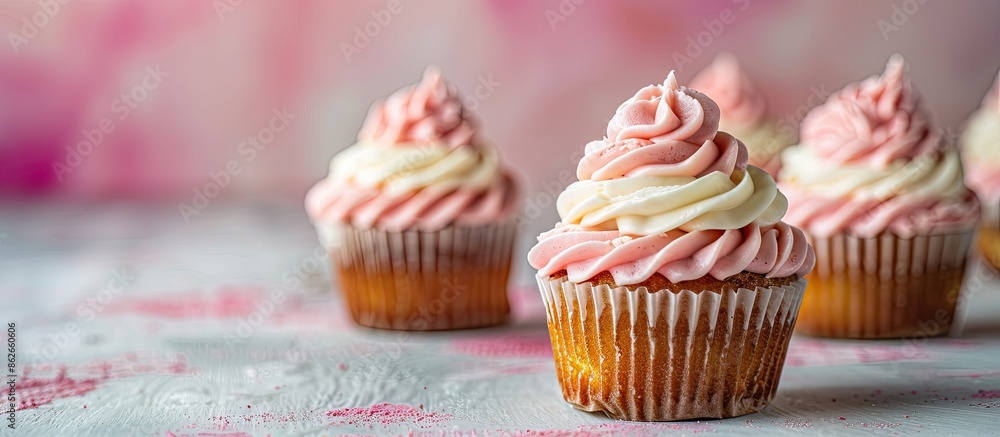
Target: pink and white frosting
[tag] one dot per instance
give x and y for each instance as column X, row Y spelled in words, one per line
column 666, row 192
column 417, row 165
column 871, row 163
column 744, row 111
column 981, row 149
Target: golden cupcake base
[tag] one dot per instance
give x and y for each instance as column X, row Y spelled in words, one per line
column 455, row 278
column 663, row 355
column 884, row 287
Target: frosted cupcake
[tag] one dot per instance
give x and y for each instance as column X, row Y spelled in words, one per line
column 981, row 153
column 671, row 284
column 416, row 215
column 883, row 200
column 744, row 112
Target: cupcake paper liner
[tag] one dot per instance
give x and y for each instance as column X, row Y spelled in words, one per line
column 415, row 280
column 884, row 287
column 669, row 355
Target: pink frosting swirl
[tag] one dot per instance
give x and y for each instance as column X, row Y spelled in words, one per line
column 663, row 131
column 876, row 121
column 429, row 111
column 870, row 163
column 417, row 165
column 668, row 131
column 744, row 111
column 427, row 210
column 777, row 251
column 723, row 80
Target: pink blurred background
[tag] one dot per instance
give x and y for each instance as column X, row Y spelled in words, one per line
column 200, row 76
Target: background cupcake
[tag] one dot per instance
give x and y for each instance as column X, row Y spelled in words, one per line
column 883, row 199
column 981, row 155
column 744, row 111
column 416, row 215
column 671, row 284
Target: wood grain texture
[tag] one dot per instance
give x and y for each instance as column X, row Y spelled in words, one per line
column 228, row 327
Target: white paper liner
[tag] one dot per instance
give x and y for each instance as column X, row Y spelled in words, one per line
column 415, row 280
column 684, row 355
column 884, row 287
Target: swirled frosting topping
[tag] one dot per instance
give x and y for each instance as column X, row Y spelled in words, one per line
column 876, row 121
column 724, row 81
column 417, row 165
column 665, row 192
column 870, row 163
column 430, row 111
column 743, row 111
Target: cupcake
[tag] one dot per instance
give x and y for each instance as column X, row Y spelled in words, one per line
column 744, row 112
column 882, row 199
column 981, row 154
column 416, row 216
column 671, row 285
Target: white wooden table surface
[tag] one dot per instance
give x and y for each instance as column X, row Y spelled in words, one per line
column 131, row 322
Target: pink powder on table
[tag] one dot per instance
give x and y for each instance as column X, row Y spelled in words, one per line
column 227, row 303
column 35, row 392
column 809, row 352
column 224, row 434
column 40, row 384
column 530, row 345
column 992, row 394
column 385, row 414
column 210, row 434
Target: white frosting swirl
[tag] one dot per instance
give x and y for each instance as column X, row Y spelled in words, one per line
column 646, row 205
column 981, row 136
column 408, row 168
column 930, row 174
column 903, row 197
